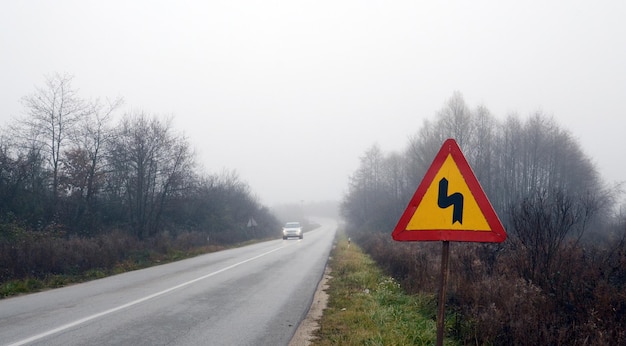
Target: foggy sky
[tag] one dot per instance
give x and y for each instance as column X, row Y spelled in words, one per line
column 291, row 93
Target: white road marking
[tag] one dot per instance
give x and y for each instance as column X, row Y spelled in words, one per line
column 135, row 302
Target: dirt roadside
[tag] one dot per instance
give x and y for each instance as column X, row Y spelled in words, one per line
column 304, row 333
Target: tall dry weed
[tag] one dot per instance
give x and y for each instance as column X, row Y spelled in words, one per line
column 496, row 300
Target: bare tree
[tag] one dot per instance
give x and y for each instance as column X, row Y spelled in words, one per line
column 365, row 186
column 542, row 223
column 508, row 146
column 456, row 121
column 84, row 164
column 52, row 113
column 93, row 134
column 481, row 146
column 149, row 163
column 423, row 146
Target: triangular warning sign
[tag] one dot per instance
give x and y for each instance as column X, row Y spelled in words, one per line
column 449, row 204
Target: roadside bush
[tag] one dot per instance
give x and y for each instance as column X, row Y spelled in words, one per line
column 39, row 254
column 27, row 255
column 580, row 303
column 190, row 240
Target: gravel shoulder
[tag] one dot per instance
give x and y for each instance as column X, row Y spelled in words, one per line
column 306, row 329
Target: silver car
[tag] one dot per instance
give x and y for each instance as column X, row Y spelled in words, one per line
column 292, row 229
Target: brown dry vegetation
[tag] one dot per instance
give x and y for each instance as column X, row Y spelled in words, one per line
column 32, row 260
column 580, row 302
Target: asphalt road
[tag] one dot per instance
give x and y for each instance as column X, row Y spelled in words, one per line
column 255, row 295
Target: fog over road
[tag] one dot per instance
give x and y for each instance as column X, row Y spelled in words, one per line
column 254, row 295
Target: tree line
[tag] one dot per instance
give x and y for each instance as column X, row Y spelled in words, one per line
column 68, row 166
column 556, row 280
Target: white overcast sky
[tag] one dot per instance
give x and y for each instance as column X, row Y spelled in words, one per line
column 291, row 93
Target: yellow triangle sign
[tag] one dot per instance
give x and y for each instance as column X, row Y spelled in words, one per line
column 449, row 204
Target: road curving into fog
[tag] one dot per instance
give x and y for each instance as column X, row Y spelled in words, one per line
column 254, row 295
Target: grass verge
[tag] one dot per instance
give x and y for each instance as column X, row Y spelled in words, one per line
column 365, row 307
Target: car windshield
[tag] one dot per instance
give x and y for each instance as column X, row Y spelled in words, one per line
column 292, row 225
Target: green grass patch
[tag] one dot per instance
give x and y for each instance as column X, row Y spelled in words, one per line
column 366, row 307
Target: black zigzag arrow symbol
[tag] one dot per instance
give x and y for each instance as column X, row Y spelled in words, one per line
column 455, row 200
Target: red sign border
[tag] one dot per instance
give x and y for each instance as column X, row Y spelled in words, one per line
column 497, row 233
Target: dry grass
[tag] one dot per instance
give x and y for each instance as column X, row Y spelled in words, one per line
column 31, row 261
column 497, row 300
